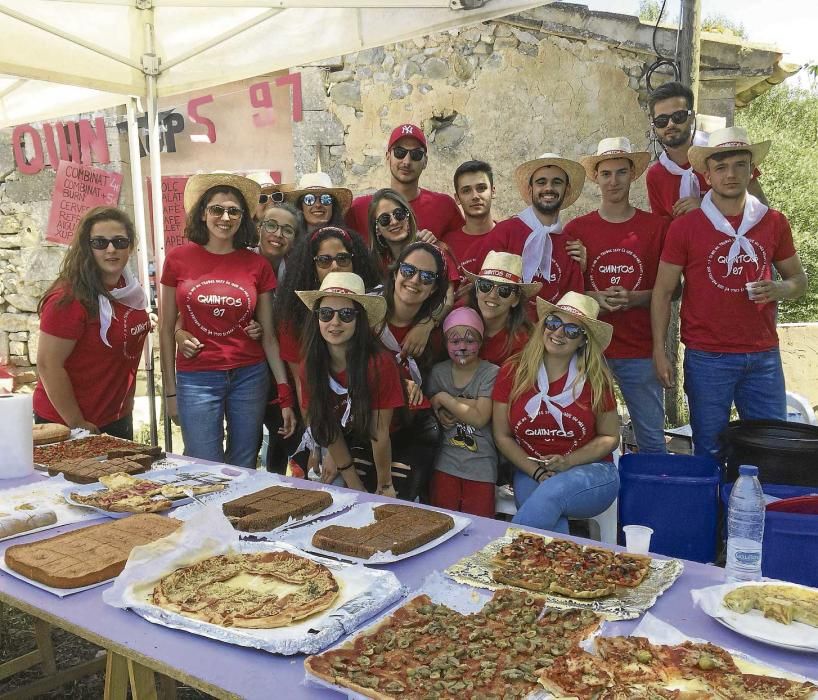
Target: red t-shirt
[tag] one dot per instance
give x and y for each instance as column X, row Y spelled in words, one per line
column 494, row 348
column 289, row 342
column 717, row 314
column 510, row 236
column 464, row 247
column 102, row 377
column 624, row 254
column 216, row 297
column 663, row 188
column 434, row 211
column 542, row 436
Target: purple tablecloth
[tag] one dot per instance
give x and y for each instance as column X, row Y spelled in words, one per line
column 231, row 671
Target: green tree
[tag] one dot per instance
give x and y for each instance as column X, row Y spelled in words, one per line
column 789, row 118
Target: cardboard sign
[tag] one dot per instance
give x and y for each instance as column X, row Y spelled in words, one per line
column 173, row 210
column 77, row 189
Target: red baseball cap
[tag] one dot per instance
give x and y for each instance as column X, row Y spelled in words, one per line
column 407, row 131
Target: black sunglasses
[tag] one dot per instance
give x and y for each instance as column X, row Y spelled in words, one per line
column 398, row 215
column 277, row 197
column 416, row 154
column 99, row 243
column 678, row 117
column 571, row 330
column 408, row 271
column 218, row 210
column 272, row 226
column 503, row 290
column 325, row 261
column 310, row 199
column 327, row 313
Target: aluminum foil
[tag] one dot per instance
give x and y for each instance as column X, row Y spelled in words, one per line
column 625, row 604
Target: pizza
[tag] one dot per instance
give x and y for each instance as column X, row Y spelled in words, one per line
column 428, row 650
column 634, row 658
column 779, row 602
column 749, row 686
column 566, row 568
column 270, row 589
column 92, row 446
column 577, row 674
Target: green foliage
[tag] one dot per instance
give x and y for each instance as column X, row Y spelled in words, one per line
column 649, row 10
column 724, row 25
column 789, row 118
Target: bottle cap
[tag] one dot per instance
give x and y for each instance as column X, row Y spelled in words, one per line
column 748, row 470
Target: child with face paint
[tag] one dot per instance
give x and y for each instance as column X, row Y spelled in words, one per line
column 460, row 390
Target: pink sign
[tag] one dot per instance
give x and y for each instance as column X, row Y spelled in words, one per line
column 77, row 189
column 173, row 210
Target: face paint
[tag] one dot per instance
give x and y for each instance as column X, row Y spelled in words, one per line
column 463, row 345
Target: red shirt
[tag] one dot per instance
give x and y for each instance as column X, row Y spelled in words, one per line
column 717, row 314
column 663, row 188
column 625, row 254
column 494, row 349
column 102, row 377
column 435, row 211
column 216, row 297
column 289, row 343
column 542, row 436
column 464, row 247
column 510, row 236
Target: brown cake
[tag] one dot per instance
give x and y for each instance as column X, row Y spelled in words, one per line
column 88, row 470
column 397, row 528
column 155, row 453
column 88, row 555
column 274, row 506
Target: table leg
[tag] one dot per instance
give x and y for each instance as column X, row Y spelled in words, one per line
column 42, row 632
column 143, row 681
column 116, row 677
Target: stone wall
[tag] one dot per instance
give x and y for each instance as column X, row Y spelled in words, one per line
column 799, row 348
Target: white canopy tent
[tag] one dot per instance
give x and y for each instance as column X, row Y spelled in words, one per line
column 65, row 57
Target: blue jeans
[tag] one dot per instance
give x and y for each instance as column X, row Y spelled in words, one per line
column 581, row 492
column 714, row 381
column 645, row 400
column 206, row 398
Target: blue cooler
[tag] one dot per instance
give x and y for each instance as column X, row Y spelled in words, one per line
column 677, row 496
column 790, row 549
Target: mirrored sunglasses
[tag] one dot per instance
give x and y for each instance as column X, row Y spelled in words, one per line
column 503, row 290
column 327, row 313
column 277, row 197
column 100, row 243
column 416, row 154
column 325, row 261
column 399, row 214
column 310, row 199
column 408, row 271
column 272, row 226
column 678, row 117
column 571, row 330
column 218, row 211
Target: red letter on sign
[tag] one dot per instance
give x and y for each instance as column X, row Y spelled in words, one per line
column 35, row 165
column 261, row 98
column 293, row 79
column 193, row 113
column 93, row 142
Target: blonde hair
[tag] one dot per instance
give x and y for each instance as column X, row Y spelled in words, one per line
column 590, row 363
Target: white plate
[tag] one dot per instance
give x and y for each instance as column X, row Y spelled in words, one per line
column 360, row 516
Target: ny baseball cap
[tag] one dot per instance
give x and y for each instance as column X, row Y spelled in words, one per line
column 407, row 131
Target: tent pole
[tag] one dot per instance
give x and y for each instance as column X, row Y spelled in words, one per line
column 142, row 237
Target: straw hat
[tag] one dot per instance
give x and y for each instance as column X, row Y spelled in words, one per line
column 575, row 172
column 733, row 138
column 318, row 183
column 267, row 184
column 505, row 268
column 351, row 286
column 616, row 147
column 584, row 309
column 197, row 185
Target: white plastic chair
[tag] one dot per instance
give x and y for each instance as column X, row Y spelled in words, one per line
column 799, row 409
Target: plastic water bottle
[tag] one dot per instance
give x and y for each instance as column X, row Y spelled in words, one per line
column 745, row 527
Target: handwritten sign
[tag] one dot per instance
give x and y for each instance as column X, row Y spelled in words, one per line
column 77, row 189
column 173, row 211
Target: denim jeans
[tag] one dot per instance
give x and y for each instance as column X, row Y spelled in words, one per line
column 581, row 492
column 206, row 398
column 714, row 381
column 645, row 400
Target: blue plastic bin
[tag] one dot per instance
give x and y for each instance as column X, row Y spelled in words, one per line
column 790, row 549
column 677, row 496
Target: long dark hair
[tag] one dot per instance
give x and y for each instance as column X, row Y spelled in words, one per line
column 517, row 318
column 337, row 218
column 79, row 277
column 196, row 228
column 321, row 415
column 436, row 298
column 288, row 310
column 377, row 243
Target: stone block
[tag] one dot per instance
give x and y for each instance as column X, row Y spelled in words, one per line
column 318, row 128
column 348, row 93
column 508, row 42
column 402, row 90
column 6, row 153
column 407, row 69
column 482, row 49
column 13, row 240
column 341, row 76
column 462, row 68
column 502, row 30
column 525, row 37
column 33, row 346
column 9, row 224
column 41, row 263
column 382, row 77
column 449, row 136
column 432, row 51
column 19, row 336
column 16, row 348
column 31, row 188
column 436, row 68
column 23, row 373
column 4, row 347
column 18, row 360
column 370, row 57
column 23, row 302
column 337, row 151
column 313, row 89
column 363, row 72
column 472, row 35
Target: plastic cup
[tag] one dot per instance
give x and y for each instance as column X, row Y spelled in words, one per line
column 750, row 287
column 637, row 538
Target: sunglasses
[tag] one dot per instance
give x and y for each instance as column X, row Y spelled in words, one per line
column 416, row 154
column 310, row 199
column 99, row 243
column 327, row 313
column 571, row 330
column 660, row 121
column 325, row 261
column 272, row 226
column 503, row 290
column 408, row 271
column 399, row 214
column 218, row 211
column 277, row 197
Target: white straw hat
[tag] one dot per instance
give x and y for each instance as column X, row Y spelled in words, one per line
column 733, row 138
column 574, row 171
column 505, row 268
column 197, row 185
column 584, row 309
column 351, row 286
column 616, row 147
column 317, row 183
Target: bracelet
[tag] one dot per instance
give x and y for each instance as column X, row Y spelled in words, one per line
column 346, row 466
column 169, row 396
column 285, row 395
column 538, row 472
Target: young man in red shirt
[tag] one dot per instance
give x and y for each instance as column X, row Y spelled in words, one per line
column 674, row 188
column 407, row 158
column 726, row 250
column 623, row 244
column 547, row 184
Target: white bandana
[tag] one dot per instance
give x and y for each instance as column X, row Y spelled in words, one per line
column 538, row 247
column 131, row 295
column 754, row 212
column 341, row 391
column 391, row 343
column 555, row 404
column 689, row 185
